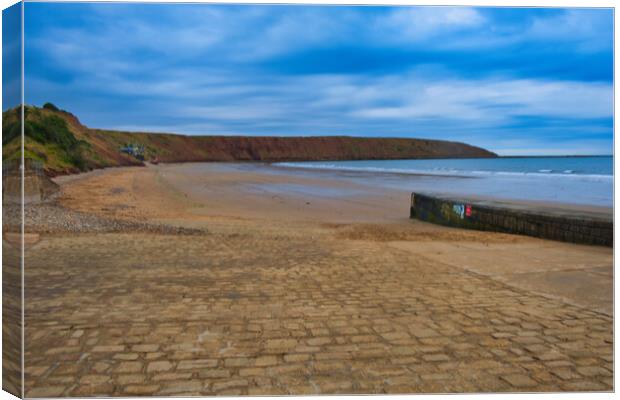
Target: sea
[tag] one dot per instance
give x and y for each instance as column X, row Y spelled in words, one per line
column 570, row 180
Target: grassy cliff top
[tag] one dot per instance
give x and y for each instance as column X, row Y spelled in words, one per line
column 58, row 139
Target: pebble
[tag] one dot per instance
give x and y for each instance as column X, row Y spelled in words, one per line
column 51, row 217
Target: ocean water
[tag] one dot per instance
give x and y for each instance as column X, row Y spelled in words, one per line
column 570, row 180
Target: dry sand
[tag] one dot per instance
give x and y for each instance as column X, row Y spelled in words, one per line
column 242, row 196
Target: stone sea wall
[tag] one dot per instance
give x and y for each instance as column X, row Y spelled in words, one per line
column 566, row 228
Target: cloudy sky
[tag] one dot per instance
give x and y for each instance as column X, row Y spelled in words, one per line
column 11, row 56
column 516, row 81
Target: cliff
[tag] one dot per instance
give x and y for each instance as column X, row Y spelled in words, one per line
column 64, row 145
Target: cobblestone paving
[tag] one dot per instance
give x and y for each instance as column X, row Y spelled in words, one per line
column 144, row 314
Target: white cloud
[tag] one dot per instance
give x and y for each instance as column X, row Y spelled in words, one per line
column 294, row 31
column 591, row 30
column 415, row 24
column 342, row 104
column 493, row 100
column 588, row 30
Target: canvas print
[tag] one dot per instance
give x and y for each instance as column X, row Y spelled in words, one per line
column 234, row 199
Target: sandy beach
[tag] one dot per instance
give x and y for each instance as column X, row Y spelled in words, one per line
column 285, row 282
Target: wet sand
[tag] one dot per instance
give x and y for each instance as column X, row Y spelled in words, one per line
column 302, row 283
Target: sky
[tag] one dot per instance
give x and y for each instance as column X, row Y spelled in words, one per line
column 11, row 56
column 517, row 81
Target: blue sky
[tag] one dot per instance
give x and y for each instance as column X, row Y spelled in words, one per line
column 514, row 80
column 11, row 56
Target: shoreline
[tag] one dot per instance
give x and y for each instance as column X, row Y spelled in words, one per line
column 552, row 207
column 567, row 191
column 596, row 211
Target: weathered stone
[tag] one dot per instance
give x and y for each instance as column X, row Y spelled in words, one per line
column 145, row 348
column 172, row 376
column 519, row 381
column 159, row 366
column 584, row 386
column 423, row 332
column 593, row 371
column 178, row 388
column 94, row 379
column 251, row 372
column 197, row 364
column 229, row 384
column 238, row 362
column 319, row 341
column 46, row 391
column 214, row 373
column 140, row 389
column 292, row 358
column 266, row 361
column 128, row 367
column 435, row 357
column 108, row 349
column 126, row 356
column 129, row 379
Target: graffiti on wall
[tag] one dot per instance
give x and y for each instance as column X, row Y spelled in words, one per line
column 462, row 210
column 459, row 210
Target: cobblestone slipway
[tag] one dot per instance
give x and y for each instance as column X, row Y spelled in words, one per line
column 156, row 314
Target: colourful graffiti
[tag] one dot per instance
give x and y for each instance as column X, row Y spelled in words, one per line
column 459, row 210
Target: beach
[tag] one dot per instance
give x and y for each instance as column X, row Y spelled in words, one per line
column 247, row 278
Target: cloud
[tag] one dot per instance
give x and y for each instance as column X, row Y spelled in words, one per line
column 589, row 29
column 415, row 24
column 480, row 75
column 493, row 100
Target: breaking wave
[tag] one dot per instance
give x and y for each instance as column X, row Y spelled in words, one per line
column 541, row 173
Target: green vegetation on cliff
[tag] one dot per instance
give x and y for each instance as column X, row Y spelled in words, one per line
column 53, row 137
column 64, row 145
